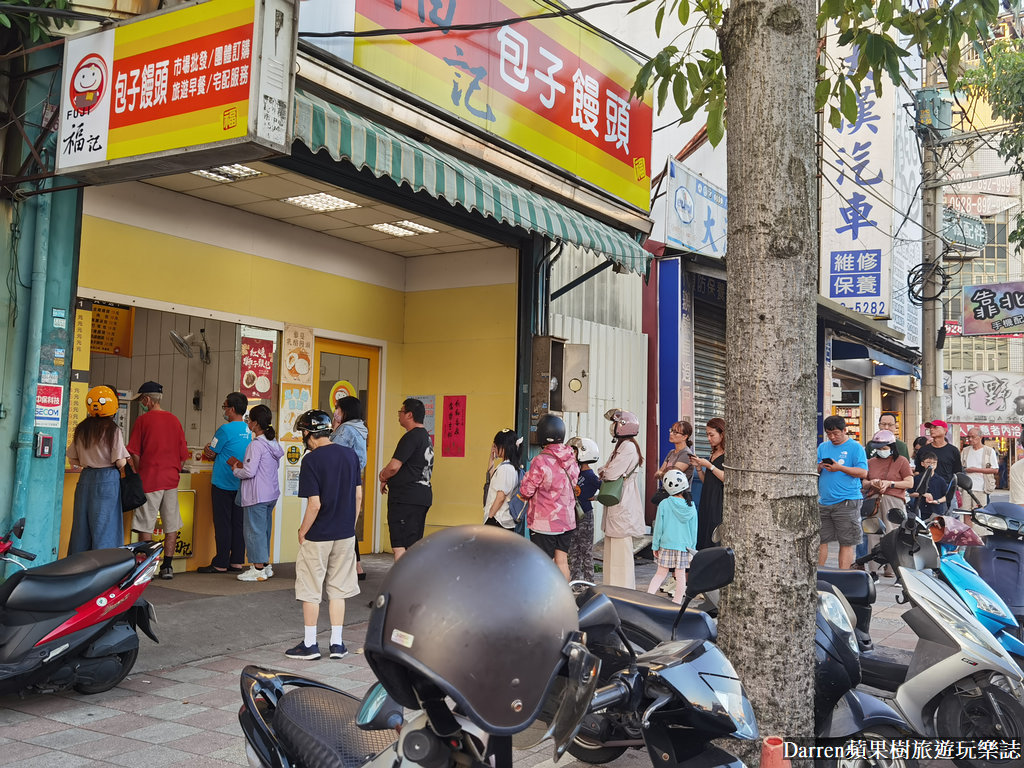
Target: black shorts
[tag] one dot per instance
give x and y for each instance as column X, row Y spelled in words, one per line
column 406, row 522
column 552, row 542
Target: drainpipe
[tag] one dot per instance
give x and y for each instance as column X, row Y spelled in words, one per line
column 543, row 283
column 33, row 347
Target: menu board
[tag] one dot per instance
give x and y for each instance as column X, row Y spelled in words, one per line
column 112, row 328
column 257, row 368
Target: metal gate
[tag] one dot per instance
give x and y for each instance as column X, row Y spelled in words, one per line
column 709, row 370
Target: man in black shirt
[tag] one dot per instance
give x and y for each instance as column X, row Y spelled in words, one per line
column 948, row 456
column 406, row 479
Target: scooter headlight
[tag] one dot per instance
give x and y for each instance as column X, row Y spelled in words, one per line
column 953, row 622
column 835, row 614
column 990, row 521
column 987, row 604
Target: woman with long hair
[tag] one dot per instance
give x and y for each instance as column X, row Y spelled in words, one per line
column 260, row 489
column 98, row 448
column 712, row 475
column 350, row 430
column 502, row 478
column 624, row 520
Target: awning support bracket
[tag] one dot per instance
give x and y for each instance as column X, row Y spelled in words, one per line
column 582, row 279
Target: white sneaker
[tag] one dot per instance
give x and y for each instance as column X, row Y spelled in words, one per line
column 254, row 574
column 268, row 571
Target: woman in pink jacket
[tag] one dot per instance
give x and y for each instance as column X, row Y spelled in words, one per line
column 548, row 484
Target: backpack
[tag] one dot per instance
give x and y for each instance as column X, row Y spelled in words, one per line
column 517, row 504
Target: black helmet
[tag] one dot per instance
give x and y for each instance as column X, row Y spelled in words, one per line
column 550, row 429
column 435, row 632
column 317, row 423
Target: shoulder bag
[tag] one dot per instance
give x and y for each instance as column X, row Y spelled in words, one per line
column 580, row 513
column 610, row 492
column 132, row 495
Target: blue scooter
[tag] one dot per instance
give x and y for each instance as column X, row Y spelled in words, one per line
column 983, row 600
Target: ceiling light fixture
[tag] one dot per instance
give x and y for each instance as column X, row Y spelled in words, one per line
column 321, row 202
column 228, row 173
column 423, row 229
column 392, row 229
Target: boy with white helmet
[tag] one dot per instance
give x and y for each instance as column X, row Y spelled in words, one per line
column 675, row 533
column 581, row 551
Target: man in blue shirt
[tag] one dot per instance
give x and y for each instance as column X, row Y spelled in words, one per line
column 230, row 439
column 842, row 466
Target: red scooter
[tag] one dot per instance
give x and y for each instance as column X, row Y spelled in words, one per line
column 72, row 623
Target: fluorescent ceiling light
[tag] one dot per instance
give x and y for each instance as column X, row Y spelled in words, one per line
column 423, row 229
column 321, row 202
column 392, row 229
column 227, row 173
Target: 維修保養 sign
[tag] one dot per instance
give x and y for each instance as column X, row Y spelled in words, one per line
column 187, row 88
column 551, row 86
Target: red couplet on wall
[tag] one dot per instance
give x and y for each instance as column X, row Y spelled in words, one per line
column 453, row 427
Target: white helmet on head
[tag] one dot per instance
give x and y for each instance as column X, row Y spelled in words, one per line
column 586, row 449
column 674, row 482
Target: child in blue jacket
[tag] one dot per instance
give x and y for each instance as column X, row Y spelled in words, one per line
column 675, row 533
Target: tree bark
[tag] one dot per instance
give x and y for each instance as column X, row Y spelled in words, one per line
column 770, row 513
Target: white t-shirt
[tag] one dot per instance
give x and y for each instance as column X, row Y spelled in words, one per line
column 504, row 478
column 978, row 459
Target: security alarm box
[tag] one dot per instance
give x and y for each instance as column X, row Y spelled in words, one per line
column 44, row 445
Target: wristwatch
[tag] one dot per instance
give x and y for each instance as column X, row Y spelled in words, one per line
column 891, row 485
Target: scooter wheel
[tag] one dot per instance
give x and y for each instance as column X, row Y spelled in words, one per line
column 592, row 752
column 994, row 714
column 126, row 660
column 870, row 759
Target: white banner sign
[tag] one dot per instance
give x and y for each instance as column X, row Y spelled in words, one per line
column 696, row 216
column 991, row 396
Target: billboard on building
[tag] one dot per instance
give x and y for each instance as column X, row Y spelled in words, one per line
column 551, row 86
column 199, row 85
column 696, row 215
column 993, row 309
column 987, row 396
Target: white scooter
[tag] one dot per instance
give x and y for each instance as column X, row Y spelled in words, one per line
column 959, row 682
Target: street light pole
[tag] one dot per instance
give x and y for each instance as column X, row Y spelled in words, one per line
column 931, row 257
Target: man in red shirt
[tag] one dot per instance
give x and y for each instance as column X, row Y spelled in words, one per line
column 158, row 449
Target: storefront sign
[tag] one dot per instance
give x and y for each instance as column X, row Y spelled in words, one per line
column 49, row 404
column 993, row 309
column 342, row 389
column 453, row 426
column 112, row 329
column 296, row 399
column 987, row 396
column 979, row 205
column 969, row 232
column 553, row 86
column 697, row 219
column 956, row 328
column 993, row 430
column 297, row 355
column 213, row 76
column 257, row 368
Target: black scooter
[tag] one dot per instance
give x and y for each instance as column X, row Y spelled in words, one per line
column 1000, row 562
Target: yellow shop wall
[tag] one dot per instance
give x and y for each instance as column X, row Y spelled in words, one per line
column 458, row 341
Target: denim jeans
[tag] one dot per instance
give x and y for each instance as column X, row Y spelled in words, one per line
column 259, row 518
column 97, row 522
column 227, row 528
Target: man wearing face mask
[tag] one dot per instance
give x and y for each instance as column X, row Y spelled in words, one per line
column 229, row 441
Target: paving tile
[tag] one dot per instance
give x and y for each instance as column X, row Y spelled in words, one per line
column 58, row 760
column 163, row 732
column 221, row 664
column 85, row 713
column 205, row 742
column 65, row 738
column 34, row 726
column 43, row 706
column 146, row 683
column 104, row 747
column 216, row 699
column 11, row 716
column 16, row 752
column 182, row 691
column 213, row 719
column 153, row 756
column 188, row 674
column 172, row 710
column 233, row 754
column 204, row 761
column 124, row 724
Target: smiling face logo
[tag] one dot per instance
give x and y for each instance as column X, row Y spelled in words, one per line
column 88, row 84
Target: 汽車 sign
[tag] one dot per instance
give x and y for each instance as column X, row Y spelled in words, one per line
column 993, row 309
column 180, row 89
column 551, row 86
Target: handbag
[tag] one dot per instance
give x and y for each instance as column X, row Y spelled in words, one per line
column 580, row 513
column 869, row 507
column 132, row 495
column 659, row 496
column 610, row 492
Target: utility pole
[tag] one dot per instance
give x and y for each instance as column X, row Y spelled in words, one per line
column 931, row 257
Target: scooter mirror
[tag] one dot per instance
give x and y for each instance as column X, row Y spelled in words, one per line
column 896, row 515
column 19, row 527
column 871, row 525
column 378, row 712
column 711, row 568
column 598, row 615
column 964, row 481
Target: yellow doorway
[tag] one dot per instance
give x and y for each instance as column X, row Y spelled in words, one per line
column 341, row 368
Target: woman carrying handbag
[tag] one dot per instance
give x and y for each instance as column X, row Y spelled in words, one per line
column 623, row 505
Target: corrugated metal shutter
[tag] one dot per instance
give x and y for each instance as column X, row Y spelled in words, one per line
column 709, row 369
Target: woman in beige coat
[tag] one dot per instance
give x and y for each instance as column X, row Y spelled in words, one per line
column 622, row 521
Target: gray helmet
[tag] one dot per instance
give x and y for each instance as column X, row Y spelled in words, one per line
column 550, row 429
column 435, row 631
column 317, row 423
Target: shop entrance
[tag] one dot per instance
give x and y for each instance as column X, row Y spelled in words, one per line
column 341, row 368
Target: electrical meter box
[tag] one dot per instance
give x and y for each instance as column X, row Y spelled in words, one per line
column 560, row 379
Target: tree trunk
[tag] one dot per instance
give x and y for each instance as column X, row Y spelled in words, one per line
column 770, row 514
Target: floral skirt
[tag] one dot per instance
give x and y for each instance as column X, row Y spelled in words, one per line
column 673, row 558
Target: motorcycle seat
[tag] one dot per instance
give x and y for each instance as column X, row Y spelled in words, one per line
column 857, row 586
column 66, row 584
column 655, row 615
column 318, row 727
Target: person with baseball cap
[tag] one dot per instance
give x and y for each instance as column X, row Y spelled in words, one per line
column 949, row 461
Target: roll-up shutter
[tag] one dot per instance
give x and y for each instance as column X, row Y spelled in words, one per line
column 709, row 369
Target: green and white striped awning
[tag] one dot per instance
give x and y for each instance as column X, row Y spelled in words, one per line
column 366, row 144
